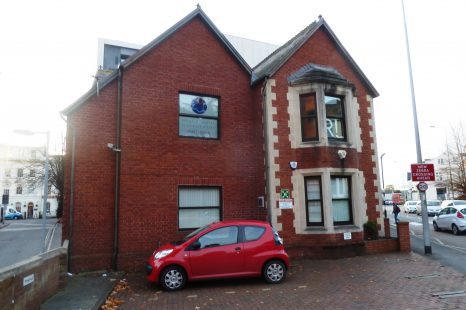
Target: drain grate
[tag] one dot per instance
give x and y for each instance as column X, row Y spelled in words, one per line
column 423, row 276
column 443, row 295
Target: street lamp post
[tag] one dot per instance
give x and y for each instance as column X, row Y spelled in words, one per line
column 46, row 181
column 381, row 165
column 422, row 194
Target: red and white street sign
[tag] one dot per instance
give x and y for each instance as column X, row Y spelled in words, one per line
column 423, row 172
column 422, row 186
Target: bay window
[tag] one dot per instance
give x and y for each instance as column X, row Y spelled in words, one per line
column 328, row 200
column 341, row 200
column 314, row 209
column 335, row 117
column 309, row 127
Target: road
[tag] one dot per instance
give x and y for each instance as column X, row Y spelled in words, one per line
column 447, row 248
column 22, row 239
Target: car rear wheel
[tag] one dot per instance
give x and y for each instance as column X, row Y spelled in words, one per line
column 435, row 226
column 274, row 272
column 172, row 278
column 455, row 230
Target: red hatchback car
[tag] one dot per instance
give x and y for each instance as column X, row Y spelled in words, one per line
column 220, row 250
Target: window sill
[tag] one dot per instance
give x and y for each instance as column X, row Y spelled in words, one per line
column 344, row 144
column 315, row 228
column 339, row 143
column 345, row 227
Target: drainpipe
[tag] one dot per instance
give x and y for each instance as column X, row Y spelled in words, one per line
column 266, row 152
column 117, row 169
column 70, row 226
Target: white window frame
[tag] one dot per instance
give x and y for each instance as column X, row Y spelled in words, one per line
column 350, row 107
column 349, row 199
column 358, row 203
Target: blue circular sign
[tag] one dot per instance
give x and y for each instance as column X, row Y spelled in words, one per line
column 198, row 105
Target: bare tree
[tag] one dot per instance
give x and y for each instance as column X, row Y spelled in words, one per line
column 389, row 188
column 456, row 162
column 33, row 177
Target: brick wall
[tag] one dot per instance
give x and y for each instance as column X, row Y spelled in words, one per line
column 154, row 159
column 94, row 182
column 320, row 49
column 49, row 273
column 369, row 247
column 402, row 229
column 382, row 246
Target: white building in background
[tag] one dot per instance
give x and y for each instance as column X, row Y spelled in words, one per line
column 251, row 50
column 440, row 189
column 13, row 170
column 111, row 52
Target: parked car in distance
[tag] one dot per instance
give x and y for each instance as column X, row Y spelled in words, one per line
column 410, row 206
column 448, row 203
column 433, row 207
column 451, row 218
column 12, row 214
column 225, row 249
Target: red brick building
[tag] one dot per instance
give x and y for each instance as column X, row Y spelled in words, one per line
column 185, row 133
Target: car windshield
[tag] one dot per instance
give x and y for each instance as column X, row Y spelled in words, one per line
column 460, row 202
column 190, row 235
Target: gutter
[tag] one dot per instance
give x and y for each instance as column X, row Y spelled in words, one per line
column 117, row 150
column 70, row 228
column 266, row 151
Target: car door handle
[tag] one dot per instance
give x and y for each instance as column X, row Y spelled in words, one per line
column 238, row 249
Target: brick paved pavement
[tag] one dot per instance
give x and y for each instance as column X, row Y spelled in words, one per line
column 388, row 281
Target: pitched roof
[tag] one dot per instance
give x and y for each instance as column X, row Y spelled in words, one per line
column 277, row 59
column 198, row 12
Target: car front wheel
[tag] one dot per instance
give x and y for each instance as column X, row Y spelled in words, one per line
column 172, row 278
column 274, row 272
column 435, row 226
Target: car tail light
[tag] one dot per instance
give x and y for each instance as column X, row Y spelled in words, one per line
column 459, row 215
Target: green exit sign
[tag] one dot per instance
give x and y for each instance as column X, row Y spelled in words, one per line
column 284, row 193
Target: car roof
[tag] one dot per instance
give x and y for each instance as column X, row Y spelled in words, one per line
column 455, row 200
column 240, row 222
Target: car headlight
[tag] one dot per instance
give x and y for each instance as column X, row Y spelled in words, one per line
column 162, row 253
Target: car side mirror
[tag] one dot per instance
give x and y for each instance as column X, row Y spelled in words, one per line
column 196, row 245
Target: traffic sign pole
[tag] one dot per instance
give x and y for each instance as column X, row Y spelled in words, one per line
column 425, row 223
column 424, row 172
column 422, row 187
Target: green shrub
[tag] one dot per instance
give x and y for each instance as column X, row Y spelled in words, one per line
column 371, row 231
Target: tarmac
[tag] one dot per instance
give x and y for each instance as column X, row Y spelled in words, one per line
column 384, row 281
